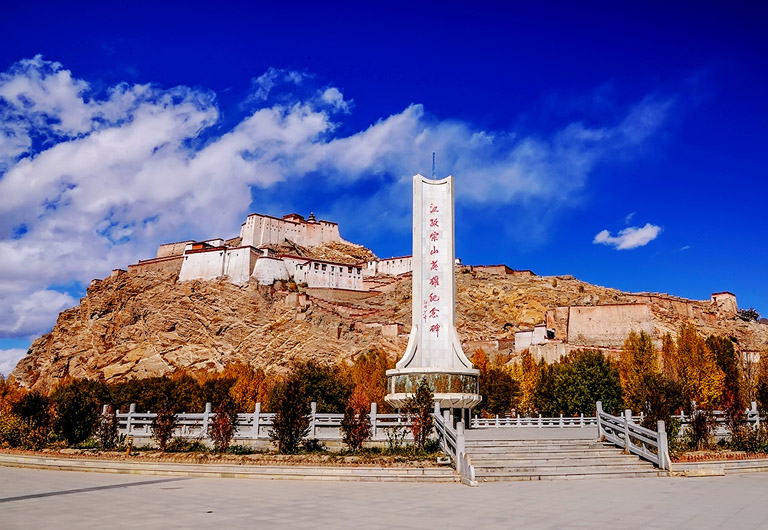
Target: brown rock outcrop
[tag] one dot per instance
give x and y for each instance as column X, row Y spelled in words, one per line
column 140, row 325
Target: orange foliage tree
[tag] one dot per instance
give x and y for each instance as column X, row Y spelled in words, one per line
column 700, row 377
column 369, row 374
column 527, row 372
column 246, row 390
column 637, row 362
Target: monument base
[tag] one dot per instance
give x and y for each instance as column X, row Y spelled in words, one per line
column 457, row 389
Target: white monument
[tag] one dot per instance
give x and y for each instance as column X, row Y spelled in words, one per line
column 434, row 349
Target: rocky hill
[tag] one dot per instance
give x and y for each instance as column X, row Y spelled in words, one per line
column 140, row 325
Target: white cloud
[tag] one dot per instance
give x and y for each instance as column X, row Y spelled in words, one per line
column 686, row 247
column 628, row 218
column 9, row 358
column 629, row 238
column 119, row 173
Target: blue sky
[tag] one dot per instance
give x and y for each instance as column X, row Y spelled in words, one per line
column 623, row 144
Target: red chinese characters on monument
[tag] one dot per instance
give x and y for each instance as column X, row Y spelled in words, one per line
column 433, row 229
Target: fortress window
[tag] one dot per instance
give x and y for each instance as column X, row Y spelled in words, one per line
column 315, row 266
column 323, row 266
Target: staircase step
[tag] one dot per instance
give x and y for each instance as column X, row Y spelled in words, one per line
column 550, row 459
column 567, row 476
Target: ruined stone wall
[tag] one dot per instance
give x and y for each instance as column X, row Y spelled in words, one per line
column 168, row 265
column 608, row 325
column 172, row 249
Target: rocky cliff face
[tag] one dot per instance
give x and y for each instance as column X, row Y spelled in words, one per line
column 140, row 325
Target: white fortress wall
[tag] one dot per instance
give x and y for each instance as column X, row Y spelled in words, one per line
column 268, row 269
column 202, row 265
column 239, row 264
column 258, row 230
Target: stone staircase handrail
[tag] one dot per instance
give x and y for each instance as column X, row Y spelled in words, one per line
column 633, row 438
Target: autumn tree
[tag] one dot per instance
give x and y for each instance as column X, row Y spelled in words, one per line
column 638, row 360
column 761, row 387
column 245, row 391
column 700, row 377
column 726, row 357
column 356, row 425
column 369, row 374
column 670, row 364
column 527, row 372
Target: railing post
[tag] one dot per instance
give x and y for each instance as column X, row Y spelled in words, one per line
column 131, row 412
column 757, row 415
column 206, row 415
column 581, row 421
column 561, row 420
column 497, row 421
column 539, row 420
column 663, row 445
column 256, row 414
column 460, row 444
column 598, row 410
column 627, row 420
column 374, row 427
column 312, row 419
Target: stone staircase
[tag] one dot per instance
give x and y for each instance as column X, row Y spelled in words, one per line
column 509, row 460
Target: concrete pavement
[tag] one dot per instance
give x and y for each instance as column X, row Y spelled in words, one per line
column 33, row 499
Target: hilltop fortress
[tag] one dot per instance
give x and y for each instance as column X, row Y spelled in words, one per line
column 201, row 305
column 591, row 322
column 253, row 255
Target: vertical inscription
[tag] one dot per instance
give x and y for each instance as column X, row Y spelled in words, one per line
column 436, row 274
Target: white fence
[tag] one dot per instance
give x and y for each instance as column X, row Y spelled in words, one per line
column 255, row 425
column 751, row 416
column 534, row 421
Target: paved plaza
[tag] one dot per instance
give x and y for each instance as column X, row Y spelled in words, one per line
column 31, row 499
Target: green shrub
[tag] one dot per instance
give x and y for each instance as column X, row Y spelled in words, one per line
column 241, row 449
column 184, row 445
column 698, row 434
column 77, row 409
column 750, row 439
column 419, row 407
column 395, row 438
column 14, row 431
column 34, row 409
column 290, row 423
column 163, row 426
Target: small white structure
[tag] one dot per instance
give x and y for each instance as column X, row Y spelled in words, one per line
column 389, row 267
column 537, row 335
column 725, row 302
column 329, row 274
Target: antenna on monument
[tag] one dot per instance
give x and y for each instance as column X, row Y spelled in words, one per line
column 434, row 168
